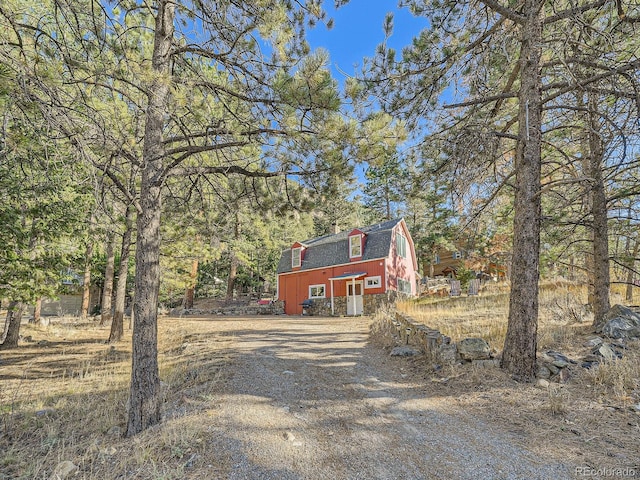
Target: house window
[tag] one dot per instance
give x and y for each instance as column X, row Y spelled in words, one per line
column 317, row 291
column 355, row 246
column 404, row 286
column 401, row 245
column 296, row 257
column 457, row 255
column 436, row 259
column 372, row 282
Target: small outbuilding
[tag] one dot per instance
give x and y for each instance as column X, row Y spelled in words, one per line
column 348, row 273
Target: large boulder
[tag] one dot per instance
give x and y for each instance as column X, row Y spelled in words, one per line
column 474, row 349
column 621, row 322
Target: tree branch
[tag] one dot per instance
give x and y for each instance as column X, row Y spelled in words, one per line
column 571, row 12
column 224, row 170
column 504, row 11
column 482, row 101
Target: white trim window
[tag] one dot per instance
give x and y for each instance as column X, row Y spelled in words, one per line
column 436, row 259
column 373, row 282
column 355, row 246
column 401, row 245
column 296, row 257
column 457, row 255
column 404, row 286
column 317, row 291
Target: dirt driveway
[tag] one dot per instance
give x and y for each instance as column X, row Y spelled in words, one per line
column 308, row 398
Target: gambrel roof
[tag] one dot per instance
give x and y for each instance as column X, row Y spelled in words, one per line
column 331, row 250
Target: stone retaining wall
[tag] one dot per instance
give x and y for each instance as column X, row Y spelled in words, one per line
column 433, row 343
column 273, row 308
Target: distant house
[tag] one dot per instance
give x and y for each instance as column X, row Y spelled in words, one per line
column 348, row 273
column 447, row 262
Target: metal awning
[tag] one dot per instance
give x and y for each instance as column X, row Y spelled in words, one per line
column 349, row 276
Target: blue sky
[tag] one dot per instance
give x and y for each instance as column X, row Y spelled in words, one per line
column 358, row 30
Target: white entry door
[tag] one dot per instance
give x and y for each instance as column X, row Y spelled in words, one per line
column 355, row 305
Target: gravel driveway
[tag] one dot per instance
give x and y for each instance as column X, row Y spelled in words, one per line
column 310, row 399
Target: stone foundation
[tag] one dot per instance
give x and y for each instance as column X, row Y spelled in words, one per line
column 370, row 303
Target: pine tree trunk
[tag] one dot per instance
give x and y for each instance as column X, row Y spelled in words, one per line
column 107, row 289
column 233, row 273
column 117, row 324
column 387, row 199
column 144, row 396
column 233, row 267
column 37, row 311
column 11, row 333
column 601, row 280
column 631, row 266
column 86, row 282
column 519, row 354
column 189, row 293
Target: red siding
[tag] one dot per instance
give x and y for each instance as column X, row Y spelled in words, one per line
column 293, row 288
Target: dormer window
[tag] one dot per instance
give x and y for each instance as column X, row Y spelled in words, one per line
column 355, row 246
column 296, row 257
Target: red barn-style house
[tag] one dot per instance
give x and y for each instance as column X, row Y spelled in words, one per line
column 349, row 273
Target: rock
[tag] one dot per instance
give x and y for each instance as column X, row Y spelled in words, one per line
column 543, row 372
column 64, row 470
column 552, row 368
column 43, row 343
column 621, row 322
column 288, row 436
column 619, row 343
column 115, row 431
column 593, row 342
column 448, row 354
column 44, row 412
column 474, row 349
column 607, row 352
column 493, row 363
column 557, row 359
column 404, row 351
column 542, row 383
column 622, row 328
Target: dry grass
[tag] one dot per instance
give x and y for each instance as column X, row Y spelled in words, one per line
column 595, row 417
column 562, row 315
column 66, row 400
column 564, row 325
column 617, row 379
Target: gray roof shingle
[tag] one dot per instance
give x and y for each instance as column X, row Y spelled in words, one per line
column 334, row 249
